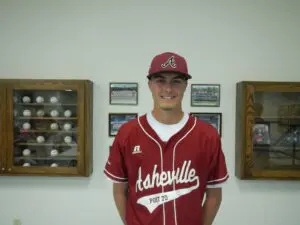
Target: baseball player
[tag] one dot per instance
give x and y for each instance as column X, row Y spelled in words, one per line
column 167, row 167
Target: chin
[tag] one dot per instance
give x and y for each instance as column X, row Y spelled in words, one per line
column 167, row 107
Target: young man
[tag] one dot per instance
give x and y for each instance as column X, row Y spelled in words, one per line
column 166, row 162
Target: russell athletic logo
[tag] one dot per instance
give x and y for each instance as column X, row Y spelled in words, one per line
column 169, row 62
column 182, row 175
column 136, row 149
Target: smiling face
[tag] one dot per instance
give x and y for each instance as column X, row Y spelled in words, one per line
column 167, row 91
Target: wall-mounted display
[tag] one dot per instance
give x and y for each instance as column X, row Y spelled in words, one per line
column 268, row 130
column 215, row 119
column 123, row 93
column 205, row 95
column 48, row 127
column 116, row 120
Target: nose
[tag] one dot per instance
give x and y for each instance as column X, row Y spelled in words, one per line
column 168, row 87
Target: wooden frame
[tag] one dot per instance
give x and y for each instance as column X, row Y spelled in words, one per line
column 116, row 120
column 215, row 119
column 123, row 93
column 205, row 95
column 19, row 139
column 255, row 161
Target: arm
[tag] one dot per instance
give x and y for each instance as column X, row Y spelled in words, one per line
column 211, row 205
column 120, row 198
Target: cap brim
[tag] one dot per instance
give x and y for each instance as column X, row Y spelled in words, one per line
column 188, row 76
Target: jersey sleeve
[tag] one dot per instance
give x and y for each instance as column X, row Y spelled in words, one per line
column 218, row 173
column 115, row 169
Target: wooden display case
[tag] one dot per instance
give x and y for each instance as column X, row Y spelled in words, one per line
column 46, row 127
column 267, row 130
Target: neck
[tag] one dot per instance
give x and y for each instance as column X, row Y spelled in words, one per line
column 167, row 117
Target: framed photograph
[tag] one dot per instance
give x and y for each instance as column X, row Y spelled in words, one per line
column 261, row 134
column 123, row 93
column 205, row 95
column 116, row 120
column 215, row 119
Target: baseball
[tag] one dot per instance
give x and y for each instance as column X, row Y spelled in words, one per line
column 53, row 165
column 53, row 99
column 68, row 113
column 40, row 112
column 26, row 152
column 26, row 112
column 26, row 99
column 26, row 126
column 295, row 139
column 39, row 99
column 54, row 113
column 67, row 126
column 54, row 126
column 26, row 164
column 40, row 139
column 53, row 152
column 68, row 139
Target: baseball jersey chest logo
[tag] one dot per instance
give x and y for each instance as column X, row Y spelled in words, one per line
column 184, row 175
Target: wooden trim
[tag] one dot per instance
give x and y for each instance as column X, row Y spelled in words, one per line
column 245, row 156
column 89, row 89
column 275, row 174
column 81, row 130
column 38, row 171
column 84, row 92
column 10, row 128
column 3, row 126
column 239, row 131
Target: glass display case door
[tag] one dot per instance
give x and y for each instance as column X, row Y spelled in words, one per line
column 273, row 139
column 43, row 126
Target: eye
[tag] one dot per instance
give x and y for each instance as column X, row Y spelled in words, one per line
column 178, row 81
column 159, row 80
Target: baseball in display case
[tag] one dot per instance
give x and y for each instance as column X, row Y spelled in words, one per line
column 49, row 128
column 268, row 130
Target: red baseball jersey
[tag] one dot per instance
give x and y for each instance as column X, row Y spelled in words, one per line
column 166, row 180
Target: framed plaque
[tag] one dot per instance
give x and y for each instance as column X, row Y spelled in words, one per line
column 205, row 95
column 116, row 120
column 215, row 119
column 123, row 93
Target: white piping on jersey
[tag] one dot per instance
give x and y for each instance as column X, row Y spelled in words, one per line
column 221, row 179
column 174, row 151
column 121, row 178
column 161, row 164
column 114, row 181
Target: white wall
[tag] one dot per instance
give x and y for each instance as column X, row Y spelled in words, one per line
column 224, row 42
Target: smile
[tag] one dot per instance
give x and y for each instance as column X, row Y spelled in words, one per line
column 167, row 97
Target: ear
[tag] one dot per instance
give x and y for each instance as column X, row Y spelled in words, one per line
column 149, row 84
column 186, row 84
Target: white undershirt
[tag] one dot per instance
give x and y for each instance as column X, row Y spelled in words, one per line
column 166, row 131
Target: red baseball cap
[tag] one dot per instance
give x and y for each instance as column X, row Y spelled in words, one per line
column 169, row 62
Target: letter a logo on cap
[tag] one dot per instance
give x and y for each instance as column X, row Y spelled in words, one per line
column 169, row 62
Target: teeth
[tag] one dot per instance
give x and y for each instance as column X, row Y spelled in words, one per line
column 167, row 97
